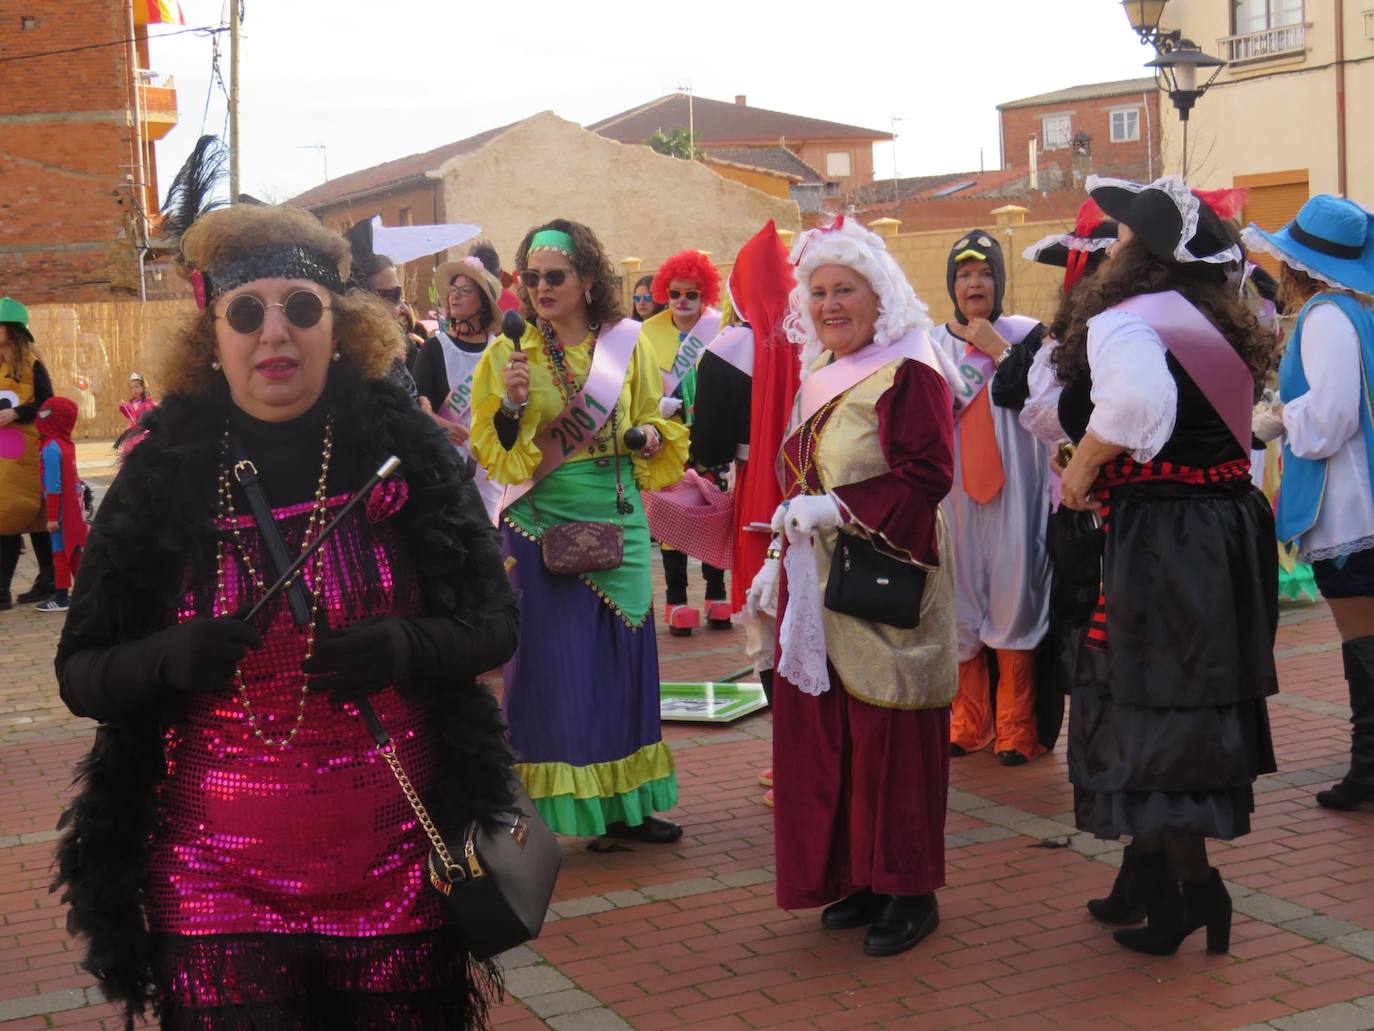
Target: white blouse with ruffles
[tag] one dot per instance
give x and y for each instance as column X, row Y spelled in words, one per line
column 1134, row 395
column 1325, row 423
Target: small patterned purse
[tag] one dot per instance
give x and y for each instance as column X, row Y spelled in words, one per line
column 586, row 546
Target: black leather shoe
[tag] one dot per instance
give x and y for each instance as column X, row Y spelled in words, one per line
column 957, row 750
column 858, row 910
column 6, row 602
column 653, row 831
column 1012, row 758
column 41, row 590
column 904, row 922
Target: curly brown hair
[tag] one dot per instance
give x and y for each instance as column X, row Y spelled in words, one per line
column 1132, row 271
column 369, row 336
column 590, row 262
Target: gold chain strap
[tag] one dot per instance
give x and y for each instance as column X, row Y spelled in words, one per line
column 452, row 870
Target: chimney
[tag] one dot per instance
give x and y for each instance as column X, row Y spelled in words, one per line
column 741, row 100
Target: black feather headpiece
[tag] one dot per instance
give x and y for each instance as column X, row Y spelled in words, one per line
column 193, row 190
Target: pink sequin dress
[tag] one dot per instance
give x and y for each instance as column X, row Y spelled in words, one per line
column 288, row 883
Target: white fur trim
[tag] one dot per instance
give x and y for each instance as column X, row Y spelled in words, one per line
column 1189, row 207
column 851, row 245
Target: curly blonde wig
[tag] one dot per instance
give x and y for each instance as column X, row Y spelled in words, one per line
column 369, row 337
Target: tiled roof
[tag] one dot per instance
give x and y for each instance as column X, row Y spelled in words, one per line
column 933, row 187
column 391, row 173
column 1089, row 91
column 716, row 121
column 772, row 159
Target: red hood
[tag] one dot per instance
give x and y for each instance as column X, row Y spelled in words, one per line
column 56, row 418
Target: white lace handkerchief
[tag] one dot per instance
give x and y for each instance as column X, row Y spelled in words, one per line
column 802, row 634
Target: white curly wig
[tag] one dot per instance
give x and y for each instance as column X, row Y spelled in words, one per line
column 845, row 242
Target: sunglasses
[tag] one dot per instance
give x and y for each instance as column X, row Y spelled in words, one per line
column 302, row 308
column 463, row 291
column 390, row 294
column 554, row 277
column 643, row 298
column 677, row 295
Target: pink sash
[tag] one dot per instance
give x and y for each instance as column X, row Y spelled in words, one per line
column 1206, row 356
column 977, row 368
column 689, row 351
column 588, row 410
column 735, row 345
column 828, row 383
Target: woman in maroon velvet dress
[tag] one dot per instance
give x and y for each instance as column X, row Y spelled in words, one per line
column 861, row 704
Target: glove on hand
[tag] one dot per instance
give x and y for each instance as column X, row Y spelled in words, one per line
column 763, row 592
column 1267, row 423
column 669, row 406
column 361, row 659
column 199, row 656
column 809, row 513
column 779, row 518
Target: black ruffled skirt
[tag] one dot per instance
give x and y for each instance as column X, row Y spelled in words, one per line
column 1168, row 727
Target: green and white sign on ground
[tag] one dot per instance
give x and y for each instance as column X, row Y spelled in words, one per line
column 714, row 702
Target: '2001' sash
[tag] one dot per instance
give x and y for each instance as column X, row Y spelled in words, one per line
column 691, row 348
column 588, row 409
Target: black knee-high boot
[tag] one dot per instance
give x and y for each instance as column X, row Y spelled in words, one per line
column 9, row 561
column 1358, row 785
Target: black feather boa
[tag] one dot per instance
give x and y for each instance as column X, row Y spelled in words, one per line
column 154, row 537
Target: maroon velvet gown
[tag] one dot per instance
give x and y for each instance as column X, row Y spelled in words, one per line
column 859, row 790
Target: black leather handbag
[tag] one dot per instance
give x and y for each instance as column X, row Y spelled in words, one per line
column 868, row 584
column 497, row 887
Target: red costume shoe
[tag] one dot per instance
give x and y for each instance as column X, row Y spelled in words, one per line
column 766, row 777
column 718, row 614
column 682, row 619
column 768, row 798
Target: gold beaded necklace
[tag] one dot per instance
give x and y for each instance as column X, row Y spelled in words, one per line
column 806, row 445
column 313, row 526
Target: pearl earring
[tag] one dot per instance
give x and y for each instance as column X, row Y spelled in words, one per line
column 214, row 364
column 335, row 357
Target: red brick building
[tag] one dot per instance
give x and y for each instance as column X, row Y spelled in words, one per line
column 1104, row 128
column 77, row 172
column 842, row 154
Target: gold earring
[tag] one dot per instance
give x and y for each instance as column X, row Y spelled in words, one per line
column 587, row 295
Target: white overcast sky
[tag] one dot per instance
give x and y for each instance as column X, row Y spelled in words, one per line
column 378, row 80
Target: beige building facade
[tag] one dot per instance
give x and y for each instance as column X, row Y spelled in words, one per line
column 1289, row 115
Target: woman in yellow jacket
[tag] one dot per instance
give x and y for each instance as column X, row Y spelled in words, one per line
column 551, row 416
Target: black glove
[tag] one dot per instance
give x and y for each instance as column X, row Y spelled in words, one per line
column 359, row 660
column 200, row 655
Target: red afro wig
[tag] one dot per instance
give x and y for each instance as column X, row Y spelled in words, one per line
column 693, row 267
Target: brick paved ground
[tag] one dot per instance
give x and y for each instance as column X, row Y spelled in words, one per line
column 690, row 935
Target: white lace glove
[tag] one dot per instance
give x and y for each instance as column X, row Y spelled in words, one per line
column 763, row 592
column 809, row 513
column 779, row 517
column 669, row 406
column 1267, row 423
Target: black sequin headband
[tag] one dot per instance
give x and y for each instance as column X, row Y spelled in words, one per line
column 273, row 261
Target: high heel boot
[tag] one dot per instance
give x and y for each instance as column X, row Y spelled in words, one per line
column 1125, row 903
column 1173, row 915
column 1357, row 786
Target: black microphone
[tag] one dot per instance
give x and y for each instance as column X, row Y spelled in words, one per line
column 635, row 438
column 513, row 327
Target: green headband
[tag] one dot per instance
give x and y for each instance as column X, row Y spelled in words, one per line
column 552, row 240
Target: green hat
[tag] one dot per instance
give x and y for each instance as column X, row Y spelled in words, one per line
column 15, row 314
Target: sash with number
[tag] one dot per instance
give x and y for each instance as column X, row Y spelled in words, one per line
column 588, row 410
column 689, row 351
column 976, row 368
column 457, row 406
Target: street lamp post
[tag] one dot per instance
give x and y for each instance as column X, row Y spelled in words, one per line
column 1176, row 72
column 1177, row 60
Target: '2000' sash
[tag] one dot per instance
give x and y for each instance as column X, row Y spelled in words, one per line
column 588, row 409
column 691, row 348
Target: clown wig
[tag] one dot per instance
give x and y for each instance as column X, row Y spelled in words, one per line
column 691, row 267
column 845, row 242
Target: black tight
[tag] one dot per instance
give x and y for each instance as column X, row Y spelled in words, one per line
column 1186, row 854
column 9, row 556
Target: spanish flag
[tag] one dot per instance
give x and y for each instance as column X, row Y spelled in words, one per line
column 158, row 12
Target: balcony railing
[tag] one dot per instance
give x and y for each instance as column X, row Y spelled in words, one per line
column 1284, row 41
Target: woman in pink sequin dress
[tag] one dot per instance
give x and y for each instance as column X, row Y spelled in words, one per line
column 239, row 855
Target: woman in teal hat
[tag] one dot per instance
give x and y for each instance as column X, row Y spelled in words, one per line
column 1326, row 500
column 24, row 386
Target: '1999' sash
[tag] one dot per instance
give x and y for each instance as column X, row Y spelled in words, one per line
column 588, row 409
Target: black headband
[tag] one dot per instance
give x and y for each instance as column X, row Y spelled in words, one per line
column 274, row 261
column 1322, row 245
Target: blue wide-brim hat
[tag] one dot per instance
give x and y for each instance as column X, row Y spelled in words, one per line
column 1331, row 239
